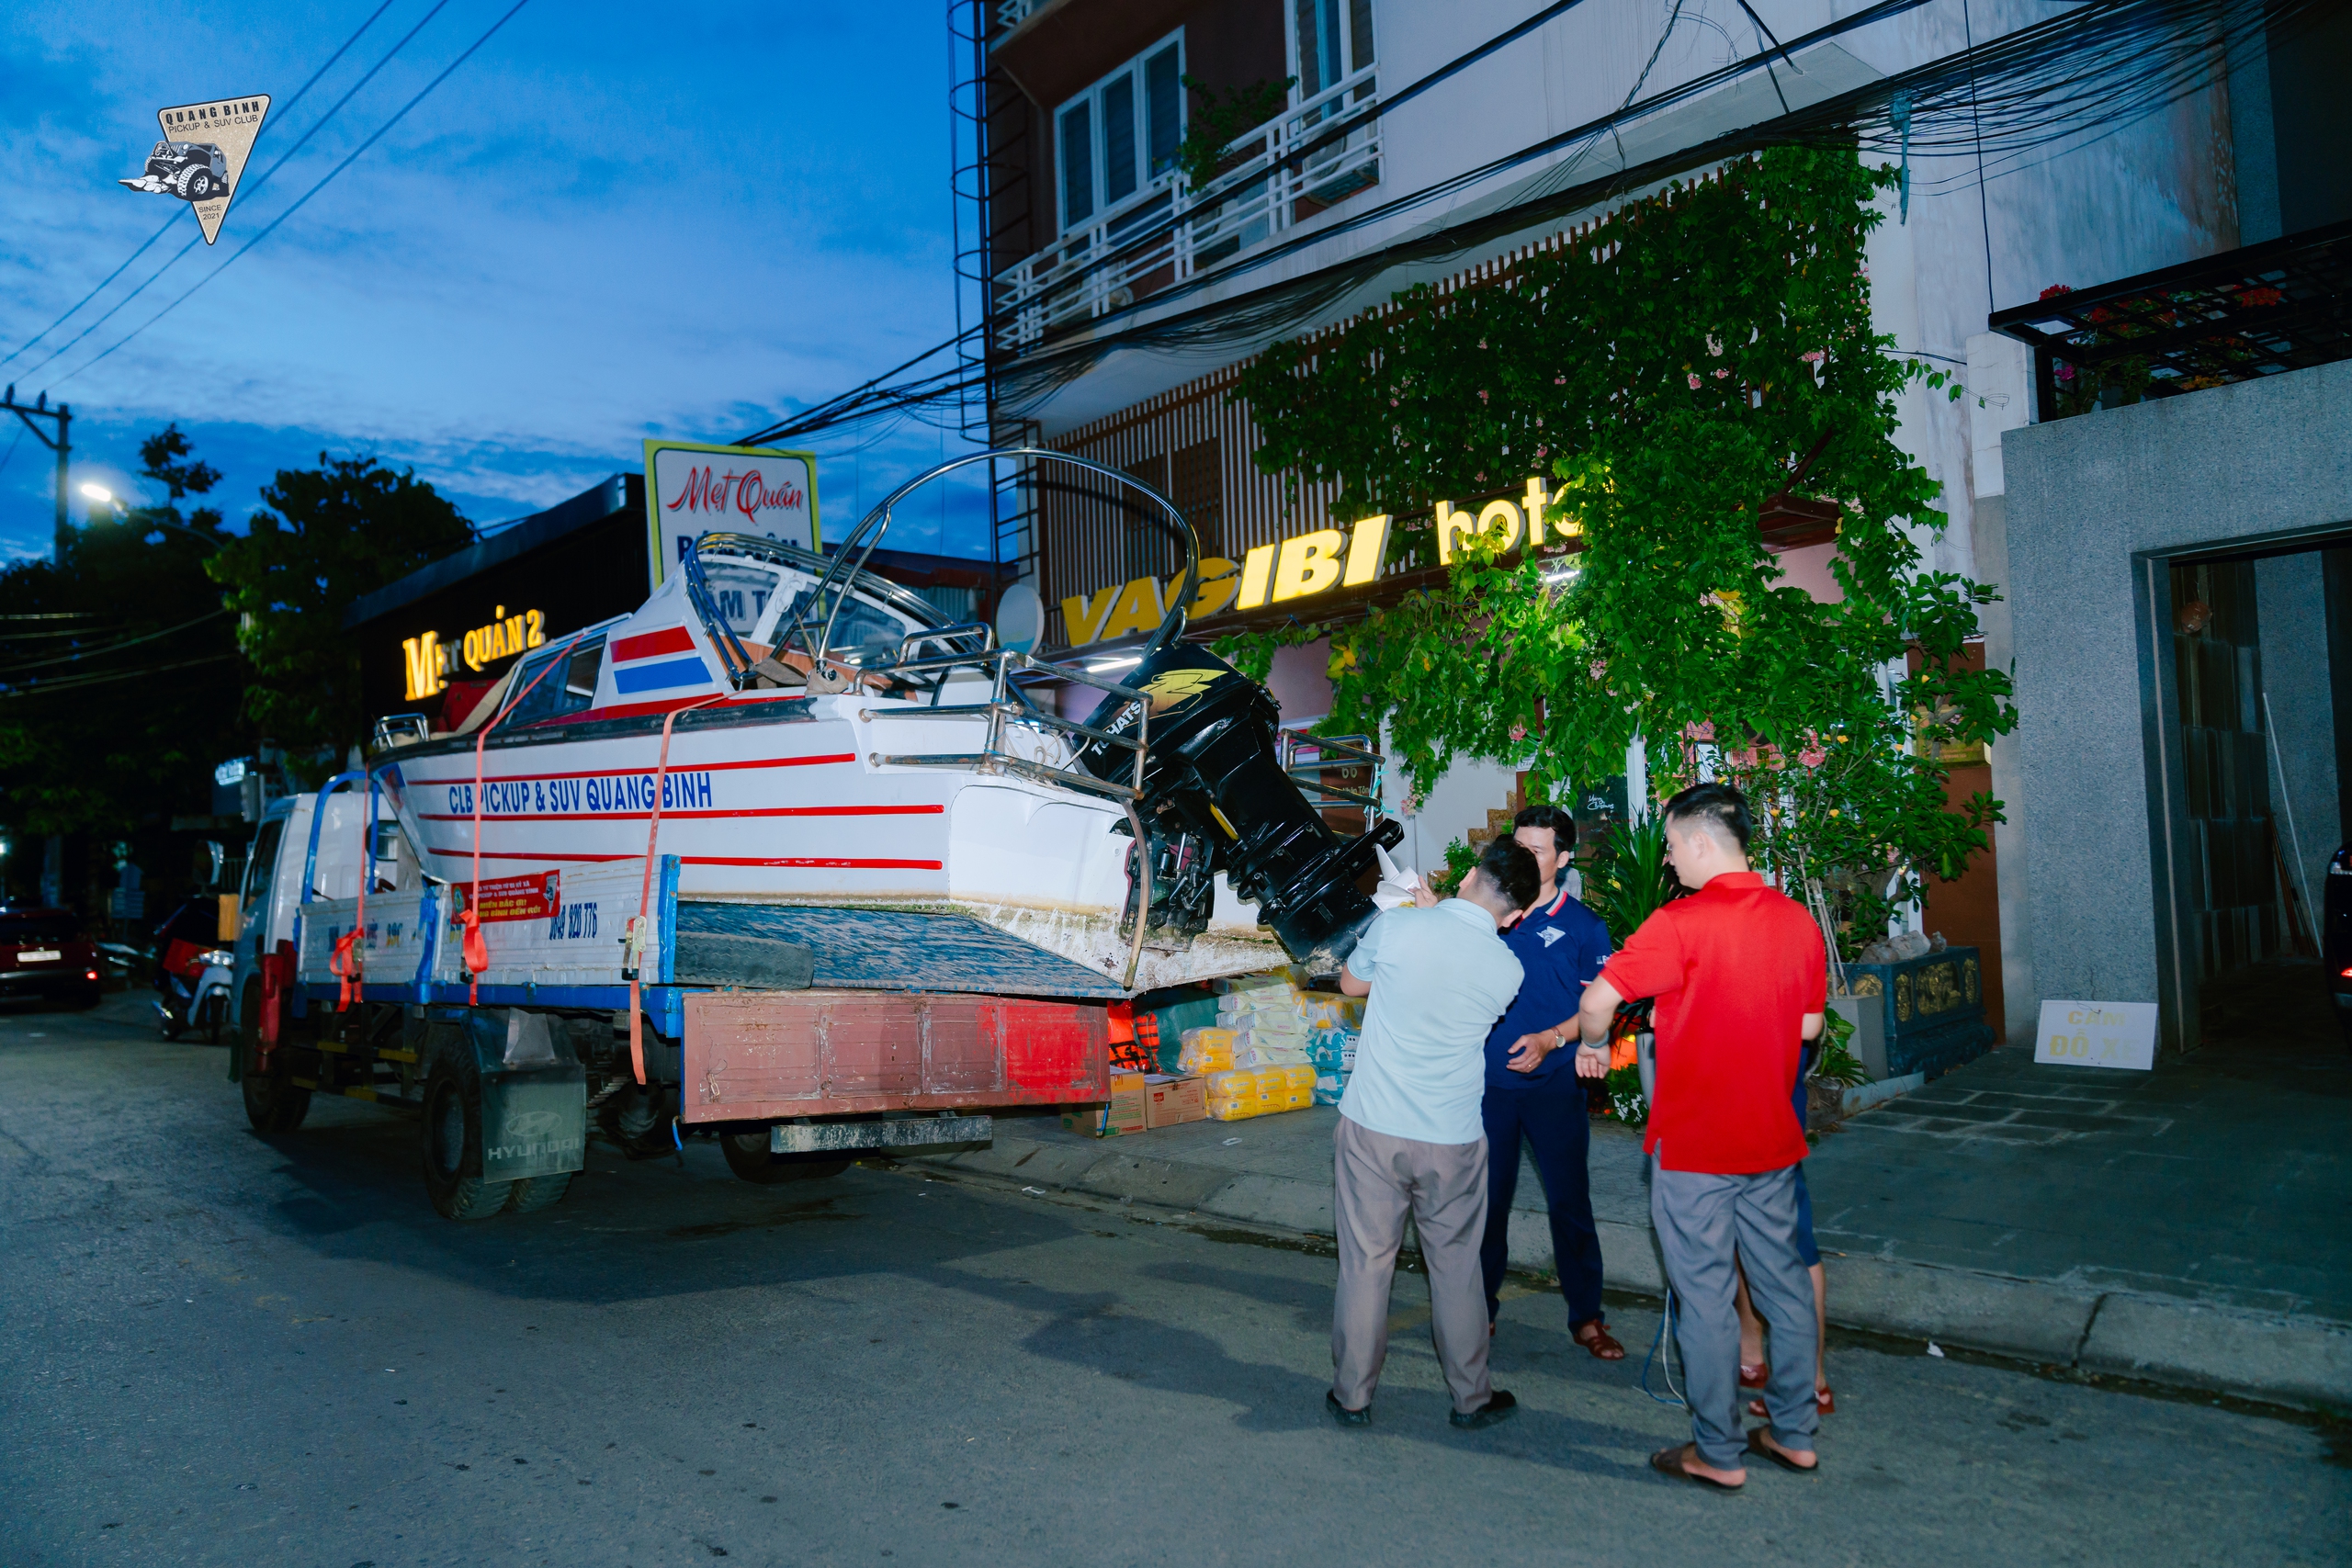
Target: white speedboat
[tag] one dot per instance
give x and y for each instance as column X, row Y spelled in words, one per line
column 832, row 766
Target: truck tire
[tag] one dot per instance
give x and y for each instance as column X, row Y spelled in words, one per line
column 451, row 1144
column 274, row 1102
column 195, row 183
column 536, row 1192
column 748, row 1156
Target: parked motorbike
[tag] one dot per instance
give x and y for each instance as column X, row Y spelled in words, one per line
column 192, row 973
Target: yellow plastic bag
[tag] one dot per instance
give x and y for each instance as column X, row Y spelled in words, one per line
column 1205, row 1051
column 1235, row 1110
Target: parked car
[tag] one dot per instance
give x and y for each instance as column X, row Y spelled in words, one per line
column 2335, row 935
column 45, row 952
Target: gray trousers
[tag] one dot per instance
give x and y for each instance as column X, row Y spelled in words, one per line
column 1376, row 1181
column 1704, row 1225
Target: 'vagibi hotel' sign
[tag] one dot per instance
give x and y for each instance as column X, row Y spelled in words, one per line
column 1308, row 564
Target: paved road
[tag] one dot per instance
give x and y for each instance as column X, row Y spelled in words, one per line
column 216, row 1348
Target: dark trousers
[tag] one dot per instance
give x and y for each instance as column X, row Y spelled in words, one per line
column 1550, row 1114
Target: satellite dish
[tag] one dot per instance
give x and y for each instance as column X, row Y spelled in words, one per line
column 1020, row 618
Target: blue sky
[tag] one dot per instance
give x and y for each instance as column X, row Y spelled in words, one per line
column 612, row 221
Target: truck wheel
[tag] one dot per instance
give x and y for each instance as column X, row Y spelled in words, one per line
column 196, row 183
column 273, row 1102
column 452, row 1144
column 748, row 1156
column 536, row 1192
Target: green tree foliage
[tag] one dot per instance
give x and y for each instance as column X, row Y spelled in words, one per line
column 343, row 529
column 1218, row 118
column 117, row 665
column 1669, row 368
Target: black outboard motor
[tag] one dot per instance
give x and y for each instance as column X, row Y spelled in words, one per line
column 1215, row 798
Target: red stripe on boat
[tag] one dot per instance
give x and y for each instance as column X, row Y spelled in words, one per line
column 645, row 645
column 687, row 815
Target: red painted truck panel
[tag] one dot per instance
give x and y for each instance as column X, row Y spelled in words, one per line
column 760, row 1055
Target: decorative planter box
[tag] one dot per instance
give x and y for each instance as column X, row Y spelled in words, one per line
column 1930, row 1010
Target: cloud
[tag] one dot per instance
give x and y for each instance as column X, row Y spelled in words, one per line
column 608, row 224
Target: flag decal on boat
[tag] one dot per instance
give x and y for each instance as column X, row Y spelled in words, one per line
column 650, row 662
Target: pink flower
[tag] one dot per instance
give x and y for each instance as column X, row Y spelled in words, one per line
column 1597, row 668
column 1813, row 756
column 1482, row 391
column 1392, row 402
column 1559, row 380
column 1518, row 732
column 1721, row 374
column 1540, row 451
column 1694, row 380
column 1699, row 731
column 1813, row 356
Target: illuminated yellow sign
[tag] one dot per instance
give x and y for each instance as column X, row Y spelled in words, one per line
column 430, row 661
column 1308, row 564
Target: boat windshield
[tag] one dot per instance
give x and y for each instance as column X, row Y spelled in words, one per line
column 863, row 633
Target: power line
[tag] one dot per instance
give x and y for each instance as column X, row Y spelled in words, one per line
column 72, row 682
column 113, row 647
column 159, row 233
column 271, row 227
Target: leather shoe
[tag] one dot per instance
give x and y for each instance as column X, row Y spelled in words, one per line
column 1342, row 1414
column 1500, row 1407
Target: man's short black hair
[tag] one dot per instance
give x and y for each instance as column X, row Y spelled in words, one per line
column 1509, row 867
column 1721, row 806
column 1563, row 826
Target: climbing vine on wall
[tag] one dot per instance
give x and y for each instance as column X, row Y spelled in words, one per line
column 1668, row 369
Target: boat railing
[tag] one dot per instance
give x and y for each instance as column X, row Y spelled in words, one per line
column 1309, row 760
column 1009, row 706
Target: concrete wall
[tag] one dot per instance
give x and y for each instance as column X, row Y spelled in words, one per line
column 2291, row 605
column 2265, row 464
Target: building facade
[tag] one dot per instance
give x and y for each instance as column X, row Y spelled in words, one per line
column 1155, row 192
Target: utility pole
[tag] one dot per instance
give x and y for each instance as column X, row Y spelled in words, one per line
column 63, row 417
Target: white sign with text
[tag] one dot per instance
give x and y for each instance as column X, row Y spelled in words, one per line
column 691, row 490
column 2097, row 1034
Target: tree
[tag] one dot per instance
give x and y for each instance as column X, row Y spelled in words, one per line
column 1673, row 369
column 340, row 530
column 118, row 669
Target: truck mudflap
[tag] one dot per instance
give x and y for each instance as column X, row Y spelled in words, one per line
column 534, row 1096
column 778, row 1056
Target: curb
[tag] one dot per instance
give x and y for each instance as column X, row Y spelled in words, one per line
column 2161, row 1339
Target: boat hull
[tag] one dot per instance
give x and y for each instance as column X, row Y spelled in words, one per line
column 910, row 877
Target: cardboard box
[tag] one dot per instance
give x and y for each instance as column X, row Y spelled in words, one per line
column 1172, row 1098
column 1122, row 1113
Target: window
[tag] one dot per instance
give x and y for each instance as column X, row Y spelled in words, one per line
column 1119, row 137
column 1333, row 39
column 558, row 693
column 263, row 863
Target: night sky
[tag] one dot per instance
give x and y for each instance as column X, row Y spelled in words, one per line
column 612, row 221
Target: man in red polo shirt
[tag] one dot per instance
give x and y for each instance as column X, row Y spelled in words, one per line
column 1741, row 980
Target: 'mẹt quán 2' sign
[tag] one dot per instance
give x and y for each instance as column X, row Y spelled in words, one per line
column 1308, row 564
column 430, row 661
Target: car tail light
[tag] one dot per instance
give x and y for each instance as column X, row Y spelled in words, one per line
column 90, row 974
column 2347, row 975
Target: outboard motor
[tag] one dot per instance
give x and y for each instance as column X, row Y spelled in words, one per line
column 1215, row 798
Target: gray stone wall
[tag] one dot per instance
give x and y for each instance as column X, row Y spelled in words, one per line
column 2091, row 500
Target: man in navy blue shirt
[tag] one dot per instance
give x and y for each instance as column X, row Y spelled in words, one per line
column 1532, row 1088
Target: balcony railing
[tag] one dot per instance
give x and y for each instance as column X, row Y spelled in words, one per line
column 2285, row 304
column 1311, row 156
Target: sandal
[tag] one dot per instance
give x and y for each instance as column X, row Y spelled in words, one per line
column 1670, row 1462
column 1823, row 1400
column 1756, row 1376
column 1594, row 1335
column 1761, row 1447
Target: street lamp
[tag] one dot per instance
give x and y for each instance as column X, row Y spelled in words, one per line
column 98, row 494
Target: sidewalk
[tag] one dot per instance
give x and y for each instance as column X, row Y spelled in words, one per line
column 2184, row 1226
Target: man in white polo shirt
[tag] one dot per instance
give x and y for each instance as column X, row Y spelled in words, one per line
column 1410, row 1139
